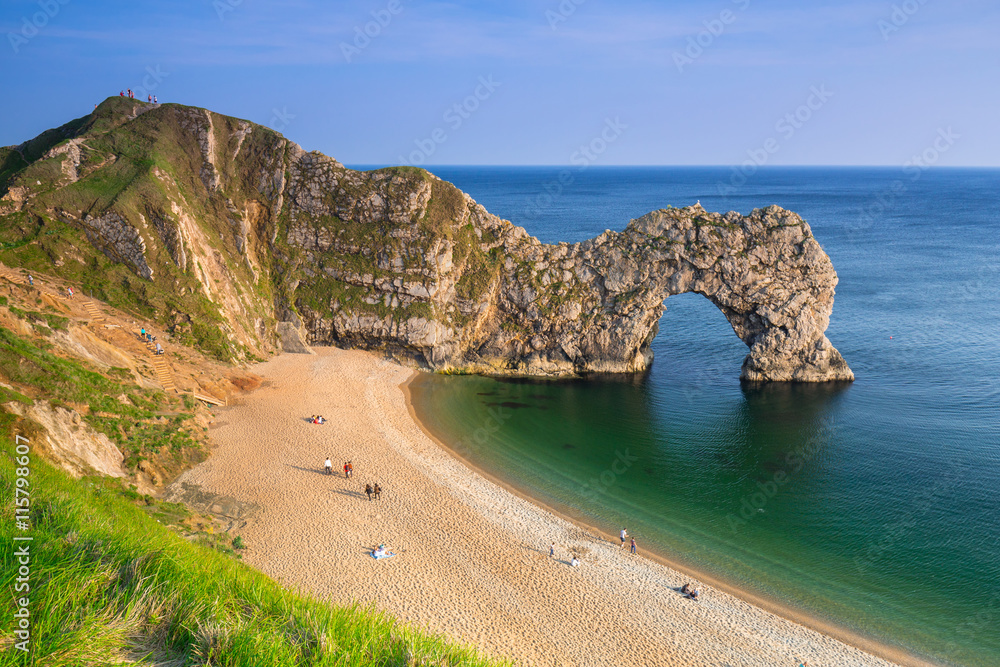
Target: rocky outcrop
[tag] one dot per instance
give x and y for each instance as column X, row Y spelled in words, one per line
column 115, row 237
column 71, row 443
column 525, row 308
column 399, row 261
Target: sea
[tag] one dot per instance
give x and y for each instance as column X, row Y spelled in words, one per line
column 872, row 507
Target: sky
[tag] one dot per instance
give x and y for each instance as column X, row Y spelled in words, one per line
column 558, row 82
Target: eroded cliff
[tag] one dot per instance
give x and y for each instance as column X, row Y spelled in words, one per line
column 229, row 219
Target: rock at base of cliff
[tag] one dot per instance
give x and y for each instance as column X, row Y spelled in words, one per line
column 291, row 339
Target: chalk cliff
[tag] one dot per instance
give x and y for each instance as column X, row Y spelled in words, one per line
column 225, row 229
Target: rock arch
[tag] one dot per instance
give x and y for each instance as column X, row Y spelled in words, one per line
column 599, row 301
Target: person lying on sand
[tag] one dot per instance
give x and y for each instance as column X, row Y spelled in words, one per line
column 381, row 552
column 688, row 591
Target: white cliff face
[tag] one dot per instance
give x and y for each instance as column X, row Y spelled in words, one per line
column 399, row 261
column 494, row 300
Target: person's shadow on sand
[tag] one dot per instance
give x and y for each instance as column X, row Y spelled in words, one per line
column 318, row 471
column 349, row 493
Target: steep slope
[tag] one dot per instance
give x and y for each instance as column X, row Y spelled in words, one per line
column 223, row 228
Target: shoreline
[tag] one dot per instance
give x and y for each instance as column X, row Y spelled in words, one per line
column 473, row 554
column 886, row 652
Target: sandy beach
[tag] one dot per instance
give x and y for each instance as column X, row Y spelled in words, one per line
column 472, row 558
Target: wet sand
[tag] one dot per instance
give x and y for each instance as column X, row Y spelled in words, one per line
column 472, row 557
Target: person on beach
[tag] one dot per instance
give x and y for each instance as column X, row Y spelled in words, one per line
column 368, row 490
column 552, row 550
column 328, row 466
column 346, row 472
column 623, row 535
column 377, row 491
column 632, row 548
column 574, row 562
column 350, row 469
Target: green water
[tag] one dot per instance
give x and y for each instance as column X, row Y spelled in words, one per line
column 873, row 505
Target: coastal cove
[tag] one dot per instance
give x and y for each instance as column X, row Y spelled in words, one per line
column 865, row 506
column 472, row 558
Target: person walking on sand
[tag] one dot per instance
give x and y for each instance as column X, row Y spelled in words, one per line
column 377, row 491
column 623, row 535
column 350, row 469
column 368, row 490
column 328, row 466
column 552, row 550
column 346, row 469
column 632, row 547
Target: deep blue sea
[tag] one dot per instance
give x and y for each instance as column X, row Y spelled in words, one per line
column 873, row 506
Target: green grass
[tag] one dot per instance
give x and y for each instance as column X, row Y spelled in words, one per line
column 131, row 423
column 109, row 583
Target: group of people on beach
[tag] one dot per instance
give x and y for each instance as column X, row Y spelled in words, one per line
column 374, row 491
column 317, row 419
column 689, row 591
column 623, row 535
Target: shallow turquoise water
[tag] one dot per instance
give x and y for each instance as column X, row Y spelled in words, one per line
column 873, row 505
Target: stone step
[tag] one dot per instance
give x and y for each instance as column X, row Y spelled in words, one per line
column 93, row 311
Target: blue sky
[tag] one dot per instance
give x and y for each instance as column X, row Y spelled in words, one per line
column 711, row 82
